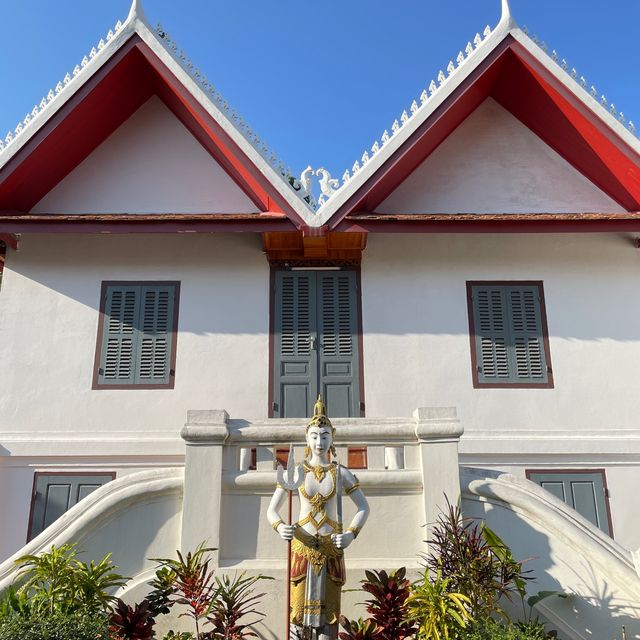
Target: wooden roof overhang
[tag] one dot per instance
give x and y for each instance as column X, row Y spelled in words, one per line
column 12, row 224
column 491, row 223
column 519, row 82
column 128, row 79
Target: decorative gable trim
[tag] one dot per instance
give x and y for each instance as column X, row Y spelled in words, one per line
column 187, row 90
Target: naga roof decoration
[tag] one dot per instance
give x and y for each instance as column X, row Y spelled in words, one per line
column 299, row 192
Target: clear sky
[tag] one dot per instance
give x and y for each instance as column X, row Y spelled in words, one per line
column 319, row 81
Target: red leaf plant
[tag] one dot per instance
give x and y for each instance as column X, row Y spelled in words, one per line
column 131, row 623
column 194, row 585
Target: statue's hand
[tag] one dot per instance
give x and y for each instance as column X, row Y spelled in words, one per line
column 342, row 540
column 287, row 531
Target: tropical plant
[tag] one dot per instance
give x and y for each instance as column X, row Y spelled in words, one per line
column 194, row 586
column 234, row 599
column 14, row 604
column 359, row 629
column 56, row 626
column 388, row 603
column 184, row 635
column 439, row 612
column 475, row 562
column 131, row 623
column 56, row 581
column 162, row 587
column 493, row 630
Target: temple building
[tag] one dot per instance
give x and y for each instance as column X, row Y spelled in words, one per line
column 477, row 266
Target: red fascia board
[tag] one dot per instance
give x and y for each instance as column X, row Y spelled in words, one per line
column 490, row 223
column 563, row 122
column 519, row 83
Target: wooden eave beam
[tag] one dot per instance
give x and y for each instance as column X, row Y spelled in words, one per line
column 490, row 223
column 12, row 222
column 314, row 247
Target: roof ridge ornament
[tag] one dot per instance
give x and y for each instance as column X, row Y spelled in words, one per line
column 506, row 18
column 136, row 12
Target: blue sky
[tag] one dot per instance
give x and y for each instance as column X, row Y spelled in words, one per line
column 319, row 81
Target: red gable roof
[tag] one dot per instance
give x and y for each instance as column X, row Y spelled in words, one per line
column 516, row 80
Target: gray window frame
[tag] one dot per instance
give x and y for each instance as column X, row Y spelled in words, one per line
column 474, row 337
column 97, row 383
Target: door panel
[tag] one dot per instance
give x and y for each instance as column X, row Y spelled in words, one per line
column 316, row 343
column 55, row 494
column 296, row 359
column 338, row 336
column 582, row 491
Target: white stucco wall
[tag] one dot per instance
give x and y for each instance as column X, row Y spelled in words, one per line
column 150, row 164
column 416, row 333
column 416, row 352
column 49, row 319
column 492, row 163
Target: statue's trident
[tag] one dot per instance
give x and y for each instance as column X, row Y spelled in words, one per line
column 290, row 480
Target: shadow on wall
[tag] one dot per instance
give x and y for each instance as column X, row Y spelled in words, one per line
column 225, row 278
column 596, row 608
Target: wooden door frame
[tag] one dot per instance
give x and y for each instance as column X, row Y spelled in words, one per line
column 273, row 269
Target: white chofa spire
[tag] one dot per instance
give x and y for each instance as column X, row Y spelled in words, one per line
column 506, row 19
column 136, row 11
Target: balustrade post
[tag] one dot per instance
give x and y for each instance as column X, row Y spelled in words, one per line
column 204, row 433
column 438, row 431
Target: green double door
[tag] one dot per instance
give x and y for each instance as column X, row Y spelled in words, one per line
column 316, row 343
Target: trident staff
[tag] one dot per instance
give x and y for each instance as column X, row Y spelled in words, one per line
column 290, row 480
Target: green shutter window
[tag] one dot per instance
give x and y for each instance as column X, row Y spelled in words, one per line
column 509, row 334
column 584, row 491
column 54, row 494
column 138, row 334
column 316, row 343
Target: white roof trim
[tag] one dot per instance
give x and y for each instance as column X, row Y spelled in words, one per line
column 448, row 82
column 256, row 150
column 214, row 104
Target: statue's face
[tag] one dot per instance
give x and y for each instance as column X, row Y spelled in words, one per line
column 319, row 440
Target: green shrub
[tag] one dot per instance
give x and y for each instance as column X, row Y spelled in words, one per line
column 492, row 630
column 57, row 582
column 69, row 626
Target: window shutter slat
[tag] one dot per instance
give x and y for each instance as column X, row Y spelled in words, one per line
column 337, row 315
column 119, row 339
column 527, row 339
column 137, row 334
column 154, row 342
column 490, row 311
column 508, row 333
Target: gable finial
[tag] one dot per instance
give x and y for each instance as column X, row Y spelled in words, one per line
column 136, row 11
column 506, row 19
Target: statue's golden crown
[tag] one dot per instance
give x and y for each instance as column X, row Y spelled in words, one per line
column 320, row 418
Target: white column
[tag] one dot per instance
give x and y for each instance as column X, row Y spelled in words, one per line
column 204, row 433
column 438, row 431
